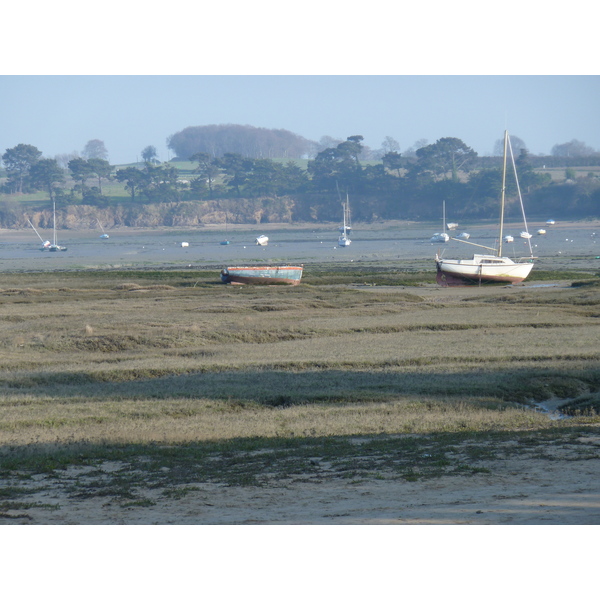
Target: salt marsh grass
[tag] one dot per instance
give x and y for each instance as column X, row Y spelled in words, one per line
column 125, row 358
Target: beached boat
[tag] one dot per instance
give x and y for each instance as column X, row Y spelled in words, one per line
column 262, row 240
column 344, row 239
column 263, row 275
column 442, row 237
column 463, row 236
column 488, row 268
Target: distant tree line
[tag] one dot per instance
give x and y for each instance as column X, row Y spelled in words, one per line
column 396, row 187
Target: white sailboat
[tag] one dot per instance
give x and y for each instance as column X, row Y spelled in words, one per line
column 442, row 237
column 54, row 247
column 487, row 268
column 104, row 235
column 348, row 226
column 45, row 243
column 262, row 240
column 344, row 239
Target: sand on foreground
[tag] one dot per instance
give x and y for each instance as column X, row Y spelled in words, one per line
column 561, row 488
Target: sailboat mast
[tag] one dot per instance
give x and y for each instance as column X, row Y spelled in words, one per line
column 54, row 221
column 443, row 216
column 503, row 195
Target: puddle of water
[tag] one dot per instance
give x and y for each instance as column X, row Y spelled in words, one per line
column 553, row 413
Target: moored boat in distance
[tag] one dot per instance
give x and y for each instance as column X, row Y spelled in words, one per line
column 442, row 237
column 262, row 240
column 344, row 239
column 262, row 275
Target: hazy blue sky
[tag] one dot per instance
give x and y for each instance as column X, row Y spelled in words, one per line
column 59, row 114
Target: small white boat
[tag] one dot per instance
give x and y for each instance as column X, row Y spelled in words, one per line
column 526, row 235
column 104, row 235
column 185, row 244
column 442, row 237
column 438, row 238
column 541, row 232
column 550, row 222
column 452, row 226
column 463, row 236
column 45, row 243
column 509, row 239
column 262, row 240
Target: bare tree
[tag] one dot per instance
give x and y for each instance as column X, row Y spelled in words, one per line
column 95, row 149
column 516, row 143
column 572, row 148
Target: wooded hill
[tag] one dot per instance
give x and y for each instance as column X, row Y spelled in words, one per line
column 253, row 190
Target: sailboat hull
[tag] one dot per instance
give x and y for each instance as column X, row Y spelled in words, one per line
column 480, row 269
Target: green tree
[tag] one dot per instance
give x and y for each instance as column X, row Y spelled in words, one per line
column 447, row 155
column 393, row 162
column 160, row 183
column 235, row 167
column 101, row 168
column 80, row 171
column 338, row 166
column 18, row 162
column 46, row 174
column 207, row 169
column 134, row 180
column 265, row 177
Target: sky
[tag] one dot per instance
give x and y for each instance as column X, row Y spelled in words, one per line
column 59, row 114
column 133, row 77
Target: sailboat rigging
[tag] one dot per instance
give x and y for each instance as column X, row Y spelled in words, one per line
column 489, row 268
column 344, row 239
column 54, row 247
column 104, row 235
column 45, row 243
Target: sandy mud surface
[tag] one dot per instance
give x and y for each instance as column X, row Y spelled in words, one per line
column 558, row 484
